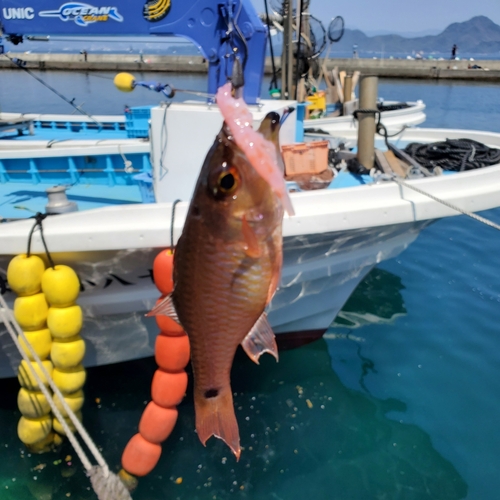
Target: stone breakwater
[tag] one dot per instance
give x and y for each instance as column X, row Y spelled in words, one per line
column 484, row 70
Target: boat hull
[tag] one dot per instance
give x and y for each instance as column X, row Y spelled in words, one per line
column 319, row 274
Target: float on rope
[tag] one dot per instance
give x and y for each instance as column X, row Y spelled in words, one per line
column 46, row 311
column 61, row 286
column 24, row 275
column 167, row 388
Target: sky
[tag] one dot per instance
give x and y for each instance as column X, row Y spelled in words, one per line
column 399, row 16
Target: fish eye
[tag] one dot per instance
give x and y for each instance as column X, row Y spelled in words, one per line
column 228, row 181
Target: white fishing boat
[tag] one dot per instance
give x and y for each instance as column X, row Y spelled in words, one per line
column 339, row 231
column 338, row 234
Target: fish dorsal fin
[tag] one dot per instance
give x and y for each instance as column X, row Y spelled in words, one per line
column 165, row 308
column 252, row 243
column 260, row 339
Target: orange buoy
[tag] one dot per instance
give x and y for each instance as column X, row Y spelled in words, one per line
column 157, row 423
column 162, row 271
column 172, row 353
column 168, row 326
column 140, row 456
column 168, row 389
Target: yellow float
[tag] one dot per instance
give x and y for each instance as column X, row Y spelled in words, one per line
column 31, row 311
column 60, row 429
column 64, row 322
column 74, row 401
column 69, row 380
column 33, row 430
column 32, row 404
column 61, row 286
column 24, row 274
column 40, row 340
column 67, row 353
column 27, row 380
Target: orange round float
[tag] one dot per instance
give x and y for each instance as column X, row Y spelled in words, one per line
column 157, row 423
column 140, row 456
column 162, row 271
column 172, row 353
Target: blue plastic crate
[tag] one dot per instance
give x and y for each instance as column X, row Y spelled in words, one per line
column 137, row 121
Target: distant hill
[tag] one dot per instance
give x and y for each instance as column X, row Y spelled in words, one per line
column 477, row 35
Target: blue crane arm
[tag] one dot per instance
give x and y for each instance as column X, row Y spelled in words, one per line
column 221, row 29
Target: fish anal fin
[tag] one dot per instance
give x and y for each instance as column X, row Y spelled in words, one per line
column 252, row 243
column 260, row 339
column 215, row 417
column 165, row 308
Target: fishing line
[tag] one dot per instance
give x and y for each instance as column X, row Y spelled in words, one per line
column 18, row 64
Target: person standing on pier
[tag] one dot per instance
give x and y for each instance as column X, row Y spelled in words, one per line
column 454, row 51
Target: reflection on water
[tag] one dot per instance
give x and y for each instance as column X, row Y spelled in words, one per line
column 303, row 432
column 377, row 299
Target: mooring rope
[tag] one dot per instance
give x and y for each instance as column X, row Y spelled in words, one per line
column 446, row 203
column 454, row 155
column 19, row 64
column 106, row 485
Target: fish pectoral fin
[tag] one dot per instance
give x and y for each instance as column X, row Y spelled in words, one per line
column 251, row 242
column 165, row 308
column 260, row 339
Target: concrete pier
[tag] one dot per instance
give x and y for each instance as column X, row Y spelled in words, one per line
column 384, row 68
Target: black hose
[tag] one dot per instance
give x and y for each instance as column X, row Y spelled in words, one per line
column 274, row 79
column 455, row 155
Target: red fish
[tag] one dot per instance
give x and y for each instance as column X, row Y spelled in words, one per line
column 227, row 264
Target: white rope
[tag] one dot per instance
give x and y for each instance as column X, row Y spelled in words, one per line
column 12, row 326
column 446, row 203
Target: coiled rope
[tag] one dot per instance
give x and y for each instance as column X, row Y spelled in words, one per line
column 106, row 485
column 455, row 155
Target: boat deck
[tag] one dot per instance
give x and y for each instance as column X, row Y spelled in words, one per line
column 20, row 200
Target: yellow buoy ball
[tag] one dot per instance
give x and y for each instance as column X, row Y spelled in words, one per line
column 43, row 446
column 33, row 430
column 24, row 274
column 61, row 286
column 27, row 380
column 74, row 401
column 64, row 322
column 125, row 82
column 69, row 379
column 60, row 429
column 32, row 404
column 31, row 311
column 66, row 353
column 40, row 340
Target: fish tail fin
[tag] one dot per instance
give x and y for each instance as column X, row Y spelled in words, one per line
column 215, row 417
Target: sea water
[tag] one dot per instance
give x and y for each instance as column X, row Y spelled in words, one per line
column 399, row 400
